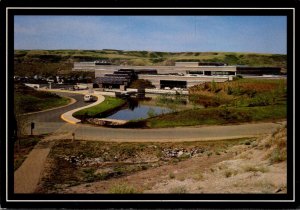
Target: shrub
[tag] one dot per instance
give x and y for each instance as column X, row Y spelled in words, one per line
column 251, row 168
column 178, row 190
column 228, row 173
column 213, row 86
column 122, row 189
column 260, row 100
column 277, row 156
column 141, row 83
column 229, row 90
column 237, row 77
column 171, row 175
column 248, row 142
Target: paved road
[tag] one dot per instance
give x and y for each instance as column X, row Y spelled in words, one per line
column 54, row 115
column 27, row 176
column 50, row 121
column 86, row 132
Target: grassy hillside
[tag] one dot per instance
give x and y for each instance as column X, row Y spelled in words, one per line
column 27, row 99
column 242, row 100
column 61, row 61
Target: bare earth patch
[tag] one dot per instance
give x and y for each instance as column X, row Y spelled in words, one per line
column 251, row 171
column 237, row 166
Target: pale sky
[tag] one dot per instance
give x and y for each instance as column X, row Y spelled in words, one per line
column 260, row 34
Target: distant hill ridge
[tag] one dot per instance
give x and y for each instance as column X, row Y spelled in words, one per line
column 119, row 57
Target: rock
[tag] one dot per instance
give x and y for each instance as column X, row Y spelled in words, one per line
column 180, row 153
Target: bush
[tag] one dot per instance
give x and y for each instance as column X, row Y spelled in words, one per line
column 171, row 175
column 157, row 60
column 122, row 189
column 213, row 86
column 232, row 115
column 259, row 100
column 178, row 190
column 237, row 77
column 228, row 173
column 277, row 156
column 251, row 168
column 141, row 83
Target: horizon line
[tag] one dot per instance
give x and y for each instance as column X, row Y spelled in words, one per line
column 246, row 52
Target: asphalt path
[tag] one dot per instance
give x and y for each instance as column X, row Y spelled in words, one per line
column 54, row 115
column 51, row 122
column 26, row 178
column 199, row 133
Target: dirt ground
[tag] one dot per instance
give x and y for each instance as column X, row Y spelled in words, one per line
column 253, row 166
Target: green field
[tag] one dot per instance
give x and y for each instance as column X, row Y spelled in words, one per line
column 52, row 62
column 109, row 104
column 217, row 116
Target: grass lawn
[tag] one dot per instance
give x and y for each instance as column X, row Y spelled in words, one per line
column 218, row 115
column 30, row 100
column 109, row 104
column 26, row 102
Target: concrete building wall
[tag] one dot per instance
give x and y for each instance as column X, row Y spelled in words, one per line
column 191, row 81
column 181, row 68
column 187, row 64
column 108, row 69
column 84, row 66
column 102, row 72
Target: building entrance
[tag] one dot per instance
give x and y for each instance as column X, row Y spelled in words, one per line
column 172, row 83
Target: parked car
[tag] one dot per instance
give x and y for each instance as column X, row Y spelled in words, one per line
column 89, row 98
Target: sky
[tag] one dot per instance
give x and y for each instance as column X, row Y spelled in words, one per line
column 259, row 34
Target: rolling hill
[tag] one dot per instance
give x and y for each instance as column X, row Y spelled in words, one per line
column 50, row 62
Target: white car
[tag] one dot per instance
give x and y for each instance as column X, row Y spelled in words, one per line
column 89, row 98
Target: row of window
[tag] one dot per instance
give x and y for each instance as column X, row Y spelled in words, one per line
column 211, row 72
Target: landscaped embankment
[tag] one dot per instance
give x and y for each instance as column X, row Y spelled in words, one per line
column 100, row 110
column 27, row 100
column 243, row 100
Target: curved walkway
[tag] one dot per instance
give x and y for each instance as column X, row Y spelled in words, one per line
column 199, row 133
column 68, row 116
column 26, row 178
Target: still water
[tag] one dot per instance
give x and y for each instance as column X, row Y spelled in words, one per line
column 139, row 112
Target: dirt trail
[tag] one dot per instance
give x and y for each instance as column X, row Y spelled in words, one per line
column 27, row 177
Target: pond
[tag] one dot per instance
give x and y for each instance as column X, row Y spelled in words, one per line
column 139, row 112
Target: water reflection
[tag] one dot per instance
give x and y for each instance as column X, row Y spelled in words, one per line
column 132, row 103
column 136, row 111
